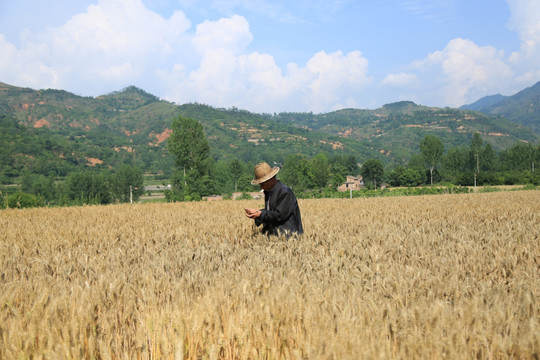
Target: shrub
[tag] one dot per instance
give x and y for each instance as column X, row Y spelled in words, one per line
column 22, row 200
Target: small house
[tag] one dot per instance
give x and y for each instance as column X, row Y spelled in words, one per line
column 352, row 183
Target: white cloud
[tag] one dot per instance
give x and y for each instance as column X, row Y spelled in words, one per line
column 335, row 77
column 9, row 54
column 230, row 35
column 463, row 71
column 116, row 43
column 111, row 45
column 400, row 80
column 525, row 21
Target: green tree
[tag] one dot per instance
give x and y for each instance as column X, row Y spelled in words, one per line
column 411, row 177
column 394, row 177
column 320, row 170
column 89, row 188
column 128, row 180
column 43, row 187
column 372, row 172
column 488, row 158
column 352, row 165
column 416, row 161
column 237, row 169
column 432, row 149
column 244, row 183
column 296, row 172
column 192, row 154
column 454, row 163
column 177, row 193
column 518, row 157
column 418, row 164
column 338, row 172
column 223, row 177
column 476, row 148
column 535, row 157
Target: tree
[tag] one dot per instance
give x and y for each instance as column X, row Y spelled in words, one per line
column 223, row 177
column 188, row 143
column 42, row 187
column 338, row 170
column 488, row 158
column 352, row 165
column 454, row 163
column 394, row 177
column 192, row 154
column 296, row 172
column 89, row 187
column 535, row 157
column 236, row 168
column 128, row 182
column 320, row 170
column 372, row 171
column 418, row 164
column 244, row 183
column 518, row 157
column 476, row 148
column 411, row 177
column 432, row 149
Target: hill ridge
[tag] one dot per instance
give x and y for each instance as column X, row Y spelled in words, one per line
column 522, row 108
column 132, row 125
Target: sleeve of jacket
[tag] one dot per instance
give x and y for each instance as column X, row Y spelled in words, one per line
column 282, row 211
column 259, row 220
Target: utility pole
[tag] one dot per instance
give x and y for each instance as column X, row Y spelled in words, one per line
column 477, row 170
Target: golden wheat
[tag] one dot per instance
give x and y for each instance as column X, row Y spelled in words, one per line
column 431, row 277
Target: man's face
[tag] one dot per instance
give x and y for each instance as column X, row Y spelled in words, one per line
column 268, row 184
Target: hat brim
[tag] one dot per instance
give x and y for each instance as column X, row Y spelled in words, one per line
column 270, row 175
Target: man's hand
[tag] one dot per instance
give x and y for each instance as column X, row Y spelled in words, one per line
column 252, row 213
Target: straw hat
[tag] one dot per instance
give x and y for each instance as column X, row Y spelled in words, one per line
column 263, row 172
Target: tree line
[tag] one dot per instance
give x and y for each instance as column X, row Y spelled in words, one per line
column 85, row 187
column 197, row 174
column 477, row 164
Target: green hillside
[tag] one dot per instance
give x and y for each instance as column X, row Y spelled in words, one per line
column 396, row 129
column 521, row 108
column 131, row 127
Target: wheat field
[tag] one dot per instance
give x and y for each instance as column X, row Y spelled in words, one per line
column 427, row 277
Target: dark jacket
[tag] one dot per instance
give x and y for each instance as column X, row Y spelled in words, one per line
column 281, row 214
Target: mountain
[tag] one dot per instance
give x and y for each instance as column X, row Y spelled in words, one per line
column 132, row 126
column 522, row 108
column 484, row 102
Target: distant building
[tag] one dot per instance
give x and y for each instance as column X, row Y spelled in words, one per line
column 352, row 183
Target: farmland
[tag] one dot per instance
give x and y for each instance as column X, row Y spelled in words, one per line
column 426, row 277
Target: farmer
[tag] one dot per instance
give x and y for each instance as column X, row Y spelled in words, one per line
column 281, row 214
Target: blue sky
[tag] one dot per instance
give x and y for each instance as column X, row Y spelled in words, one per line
column 272, row 56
